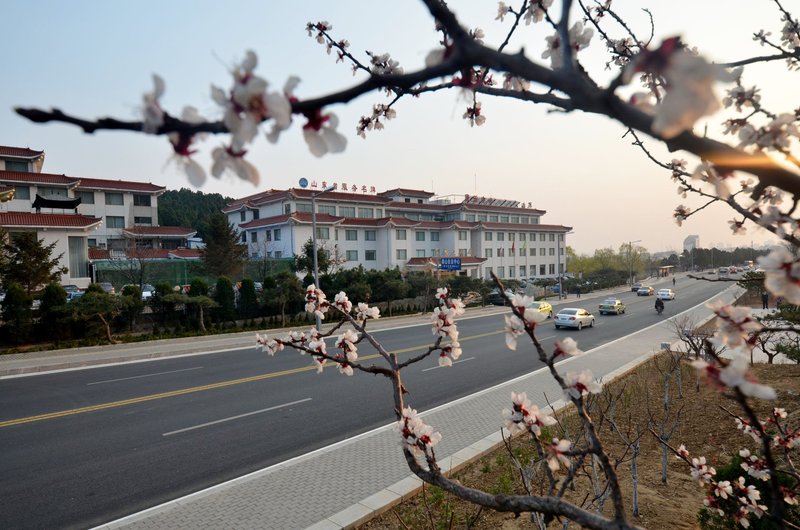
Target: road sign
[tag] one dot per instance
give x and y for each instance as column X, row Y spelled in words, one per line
column 450, row 264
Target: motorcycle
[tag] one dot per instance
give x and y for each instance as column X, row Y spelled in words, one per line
column 659, row 307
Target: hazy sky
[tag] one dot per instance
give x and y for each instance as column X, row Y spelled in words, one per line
column 94, row 58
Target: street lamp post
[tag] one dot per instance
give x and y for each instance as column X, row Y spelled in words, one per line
column 314, row 241
column 630, row 261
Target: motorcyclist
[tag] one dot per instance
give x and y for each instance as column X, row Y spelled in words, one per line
column 659, row 305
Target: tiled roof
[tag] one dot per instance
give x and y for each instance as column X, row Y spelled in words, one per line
column 406, row 191
column 49, row 220
column 185, row 253
column 403, row 221
column 324, row 218
column 301, row 193
column 465, row 260
column 266, row 221
column 145, row 253
column 417, row 206
column 123, row 185
column 509, row 209
column 19, row 152
column 159, row 231
column 99, row 253
column 520, row 227
column 360, row 221
column 37, row 178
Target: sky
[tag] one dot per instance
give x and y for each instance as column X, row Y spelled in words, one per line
column 94, row 58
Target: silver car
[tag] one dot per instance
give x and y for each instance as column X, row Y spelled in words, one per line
column 573, row 317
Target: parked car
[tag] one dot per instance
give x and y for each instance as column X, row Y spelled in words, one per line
column 107, row 287
column 496, row 298
column 645, row 290
column 573, row 317
column 542, row 307
column 612, row 305
column 555, row 289
column 73, row 295
column 70, row 288
column 666, row 294
column 636, row 286
column 148, row 291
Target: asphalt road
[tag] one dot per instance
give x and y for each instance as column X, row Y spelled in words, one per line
column 81, row 448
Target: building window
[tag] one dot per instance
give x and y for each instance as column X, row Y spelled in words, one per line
column 323, row 208
column 86, row 197
column 503, row 218
column 501, row 252
column 542, row 252
column 524, row 220
column 487, row 236
column 148, row 221
column 140, row 199
column 481, row 217
column 408, row 200
column 501, row 236
column 277, row 237
column 522, row 271
column 419, row 235
column 115, row 221
column 552, row 268
column 78, row 263
column 501, row 272
column 561, row 237
column 471, row 217
column 303, row 207
column 351, row 235
column 561, row 251
column 511, row 251
column 369, row 255
column 534, row 220
column 352, row 255
column 511, row 272
column 379, row 212
column 542, row 270
column 278, row 254
column 420, row 253
column 434, row 236
column 493, row 218
column 552, row 237
column 323, row 232
column 369, row 235
column 16, row 165
column 515, row 219
column 366, row 213
column 487, row 253
column 400, row 235
column 462, row 251
column 542, row 237
column 52, row 193
column 533, row 270
column 113, row 199
column 22, row 192
column 287, row 208
column 254, row 237
column 92, row 242
column 242, row 216
column 531, row 251
column 401, row 254
column 522, row 236
column 244, row 237
column 552, row 251
column 488, row 271
column 462, row 235
column 347, row 211
column 511, row 236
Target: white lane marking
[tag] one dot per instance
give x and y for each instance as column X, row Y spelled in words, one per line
column 454, row 362
column 144, row 375
column 223, row 420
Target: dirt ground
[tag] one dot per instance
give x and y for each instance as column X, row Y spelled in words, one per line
column 704, row 428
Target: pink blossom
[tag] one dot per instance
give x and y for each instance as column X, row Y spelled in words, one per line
column 735, row 375
column 229, row 159
column 364, row 312
column 181, row 145
column 347, row 342
column 345, row 369
column 270, row 346
column 735, row 326
column 782, row 274
column 418, row 437
column 707, row 172
column 152, row 113
column 449, row 353
column 502, row 11
column 536, row 11
column 342, row 302
column 514, row 328
column 321, row 136
column 681, row 213
column 579, row 38
column 682, row 452
column 566, row 346
column 474, row 116
column 723, row 489
column 754, row 466
column 443, row 321
column 525, row 416
column 316, row 301
column 581, row 384
column 701, row 472
column 555, row 454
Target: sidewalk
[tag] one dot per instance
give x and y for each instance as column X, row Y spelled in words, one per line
column 345, row 484
column 47, row 360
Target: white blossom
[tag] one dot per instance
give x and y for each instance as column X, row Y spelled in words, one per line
column 514, row 328
column 579, row 38
column 566, row 346
column 525, row 416
column 363, row 312
column 228, row 159
column 782, row 274
column 555, row 454
column 342, row 302
column 321, row 136
column 580, row 384
column 152, row 113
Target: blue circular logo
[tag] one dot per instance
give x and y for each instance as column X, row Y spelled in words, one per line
column 304, row 182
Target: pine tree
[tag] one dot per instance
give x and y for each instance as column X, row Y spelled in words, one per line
column 29, row 262
column 223, row 255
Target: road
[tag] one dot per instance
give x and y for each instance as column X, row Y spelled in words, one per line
column 84, row 447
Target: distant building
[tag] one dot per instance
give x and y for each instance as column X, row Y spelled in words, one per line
column 691, row 242
column 408, row 229
column 87, row 218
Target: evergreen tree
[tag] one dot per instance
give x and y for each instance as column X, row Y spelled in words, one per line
column 17, row 313
column 224, row 297
column 248, row 301
column 304, row 262
column 53, row 321
column 223, row 255
column 191, row 209
column 29, row 262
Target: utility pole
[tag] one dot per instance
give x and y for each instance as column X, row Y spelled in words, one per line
column 314, row 240
column 630, row 261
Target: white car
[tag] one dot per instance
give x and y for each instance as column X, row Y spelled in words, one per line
column 665, row 294
column 573, row 317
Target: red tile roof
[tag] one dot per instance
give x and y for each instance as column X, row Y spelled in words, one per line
column 123, row 185
column 49, row 220
column 19, row 152
column 523, row 228
column 99, row 253
column 159, row 231
column 37, row 178
column 406, row 191
column 301, row 193
column 360, row 221
column 266, row 221
column 147, row 253
column 185, row 253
